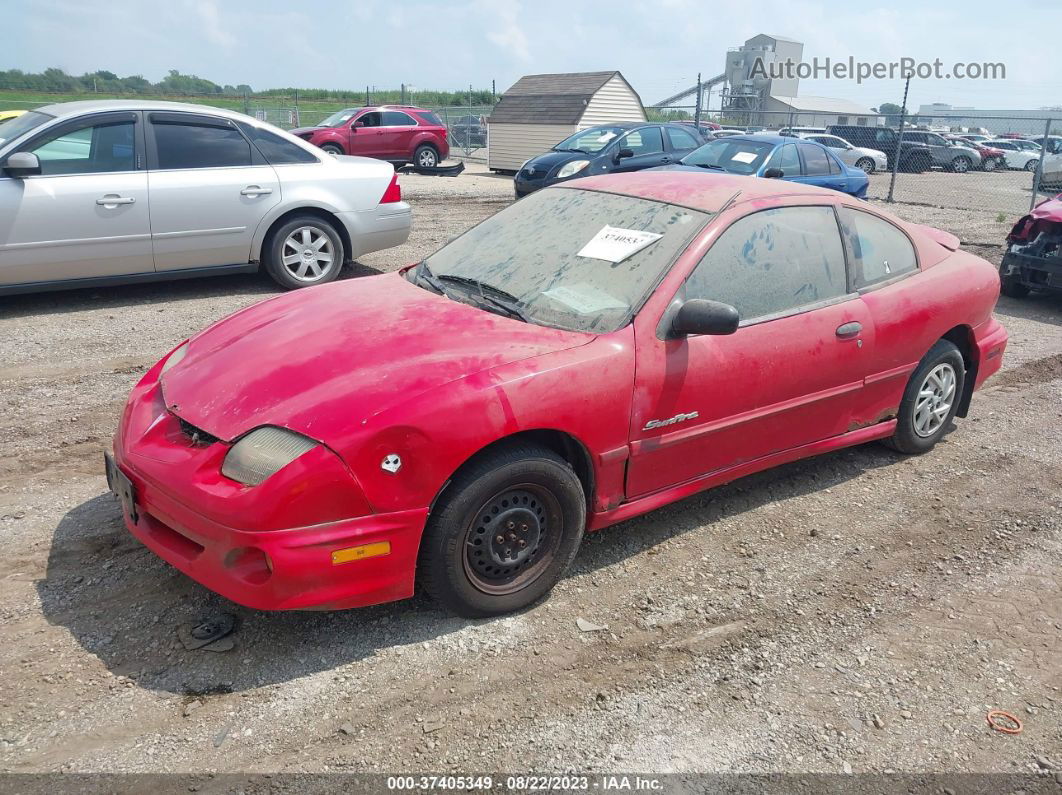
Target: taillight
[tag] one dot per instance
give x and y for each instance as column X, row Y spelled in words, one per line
column 393, row 192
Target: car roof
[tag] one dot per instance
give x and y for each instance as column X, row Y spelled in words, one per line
column 63, row 110
column 770, row 138
column 708, row 192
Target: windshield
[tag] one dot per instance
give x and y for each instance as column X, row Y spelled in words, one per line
column 728, row 154
column 13, row 128
column 589, row 141
column 572, row 259
column 339, row 117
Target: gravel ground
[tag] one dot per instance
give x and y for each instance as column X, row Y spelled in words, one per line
column 860, row 611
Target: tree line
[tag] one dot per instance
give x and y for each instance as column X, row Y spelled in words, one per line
column 56, row 81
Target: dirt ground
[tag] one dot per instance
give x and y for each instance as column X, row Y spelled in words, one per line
column 860, row 611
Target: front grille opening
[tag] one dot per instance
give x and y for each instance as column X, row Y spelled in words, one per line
column 196, row 436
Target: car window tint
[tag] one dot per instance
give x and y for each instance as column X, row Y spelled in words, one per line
column 90, row 150
column 816, row 164
column 430, row 118
column 835, row 165
column 645, row 141
column 370, row 119
column 877, row 249
column 394, row 118
column 277, row 150
column 680, row 139
column 773, row 261
column 195, row 146
column 785, row 157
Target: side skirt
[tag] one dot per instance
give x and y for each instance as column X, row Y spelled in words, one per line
column 131, row 278
column 658, row 499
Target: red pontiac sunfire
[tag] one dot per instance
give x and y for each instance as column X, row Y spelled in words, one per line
column 592, row 352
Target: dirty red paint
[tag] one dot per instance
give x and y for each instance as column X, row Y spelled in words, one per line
column 374, row 366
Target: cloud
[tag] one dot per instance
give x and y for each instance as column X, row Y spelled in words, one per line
column 207, row 11
column 505, row 32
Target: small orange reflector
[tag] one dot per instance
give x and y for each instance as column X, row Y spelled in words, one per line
column 360, row 553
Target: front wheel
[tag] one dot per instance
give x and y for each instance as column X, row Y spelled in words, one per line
column 503, row 533
column 333, row 149
column 304, row 251
column 930, row 400
column 1032, row 164
column 960, row 165
column 425, row 157
column 865, row 164
column 989, row 164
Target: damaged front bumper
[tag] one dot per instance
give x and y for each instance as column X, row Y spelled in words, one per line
column 1037, row 263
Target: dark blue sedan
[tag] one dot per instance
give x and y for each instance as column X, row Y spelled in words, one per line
column 607, row 149
column 779, row 157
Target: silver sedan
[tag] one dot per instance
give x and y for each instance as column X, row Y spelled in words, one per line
column 116, row 191
column 870, row 160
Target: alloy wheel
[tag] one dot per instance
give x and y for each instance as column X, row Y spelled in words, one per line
column 308, row 254
column 934, row 401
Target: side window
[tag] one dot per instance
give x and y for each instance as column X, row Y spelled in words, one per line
column 277, row 150
column 645, row 141
column 680, row 139
column 200, row 146
column 395, row 118
column 835, row 165
column 785, row 157
column 370, row 119
column 430, row 118
column 773, row 261
column 90, row 150
column 877, row 249
column 816, row 164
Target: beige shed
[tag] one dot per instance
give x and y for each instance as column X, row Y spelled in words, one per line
column 539, row 111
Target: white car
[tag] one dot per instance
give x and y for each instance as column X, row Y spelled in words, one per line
column 1020, row 155
column 869, row 160
column 1052, row 175
column 725, row 132
column 117, row 191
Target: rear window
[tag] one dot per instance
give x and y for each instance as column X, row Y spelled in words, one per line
column 430, row 118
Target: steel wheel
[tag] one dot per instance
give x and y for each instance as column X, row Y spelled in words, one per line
column 511, row 539
column 935, row 397
column 307, row 254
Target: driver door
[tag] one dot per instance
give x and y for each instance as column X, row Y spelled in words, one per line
column 647, row 146
column 367, row 136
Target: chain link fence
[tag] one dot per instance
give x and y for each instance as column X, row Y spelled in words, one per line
column 1000, row 165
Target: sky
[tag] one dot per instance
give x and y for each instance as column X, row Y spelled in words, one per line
column 658, row 46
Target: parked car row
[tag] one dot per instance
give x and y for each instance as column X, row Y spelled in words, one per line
column 123, row 191
column 399, row 134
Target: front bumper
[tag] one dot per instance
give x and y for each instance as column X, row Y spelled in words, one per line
column 269, row 547
column 1036, row 264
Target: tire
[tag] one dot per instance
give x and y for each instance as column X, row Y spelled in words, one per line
column 920, row 423
column 1010, row 286
column 425, row 156
column 961, row 165
column 989, row 164
column 538, row 497
column 310, row 262
column 1032, row 164
column 333, row 149
column 866, row 164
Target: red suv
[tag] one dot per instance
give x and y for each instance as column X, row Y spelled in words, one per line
column 398, row 133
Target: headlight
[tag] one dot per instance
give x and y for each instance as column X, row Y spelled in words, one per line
column 573, row 167
column 174, row 358
column 264, row 452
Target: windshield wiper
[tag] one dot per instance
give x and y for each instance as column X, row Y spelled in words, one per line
column 500, row 299
column 423, row 274
column 580, row 151
column 708, row 165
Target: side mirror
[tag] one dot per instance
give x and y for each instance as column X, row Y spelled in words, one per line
column 774, row 173
column 698, row 316
column 22, row 164
column 622, row 153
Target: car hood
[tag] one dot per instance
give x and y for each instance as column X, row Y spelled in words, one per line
column 302, row 130
column 550, row 160
column 322, row 359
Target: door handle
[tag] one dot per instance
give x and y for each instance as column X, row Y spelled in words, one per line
column 665, row 160
column 114, row 201
column 254, row 190
column 847, row 330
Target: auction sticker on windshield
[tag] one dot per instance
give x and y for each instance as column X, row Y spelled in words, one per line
column 584, row 298
column 744, row 157
column 615, row 245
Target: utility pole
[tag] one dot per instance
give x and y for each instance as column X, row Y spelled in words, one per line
column 1039, row 173
column 899, row 140
column 697, row 109
column 493, row 92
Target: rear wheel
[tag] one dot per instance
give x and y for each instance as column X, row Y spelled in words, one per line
column 504, row 532
column 930, row 400
column 1031, row 165
column 961, row 165
column 989, row 164
column 866, row 164
column 333, row 149
column 304, row 251
column 425, row 156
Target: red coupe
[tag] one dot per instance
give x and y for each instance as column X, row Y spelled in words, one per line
column 397, row 133
column 592, row 352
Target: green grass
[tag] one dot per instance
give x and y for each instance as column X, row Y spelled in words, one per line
column 10, row 100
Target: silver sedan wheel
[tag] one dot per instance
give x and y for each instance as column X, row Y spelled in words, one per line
column 308, row 254
column 935, row 397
